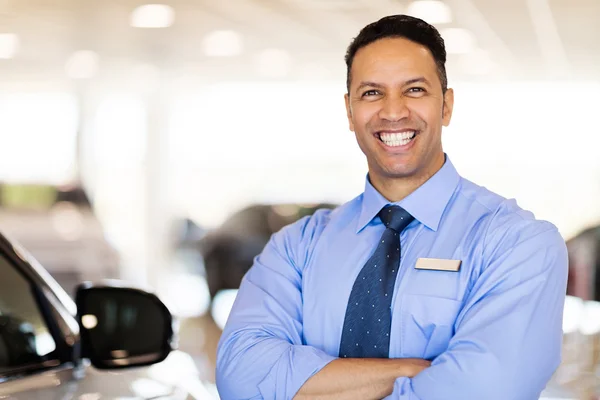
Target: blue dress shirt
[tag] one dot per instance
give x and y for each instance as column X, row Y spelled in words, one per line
column 493, row 329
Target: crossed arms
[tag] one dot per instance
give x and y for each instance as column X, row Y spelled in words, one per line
column 506, row 344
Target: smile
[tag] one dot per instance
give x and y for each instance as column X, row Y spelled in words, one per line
column 394, row 139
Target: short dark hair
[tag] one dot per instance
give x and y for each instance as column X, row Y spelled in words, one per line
column 401, row 26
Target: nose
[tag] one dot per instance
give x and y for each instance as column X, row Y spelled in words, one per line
column 394, row 108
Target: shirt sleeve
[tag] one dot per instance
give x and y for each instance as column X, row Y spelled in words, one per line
column 508, row 336
column 260, row 353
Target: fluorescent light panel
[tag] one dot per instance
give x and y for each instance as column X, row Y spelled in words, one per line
column 431, row 11
column 9, row 44
column 153, row 16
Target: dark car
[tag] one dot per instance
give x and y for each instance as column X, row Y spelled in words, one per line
column 229, row 250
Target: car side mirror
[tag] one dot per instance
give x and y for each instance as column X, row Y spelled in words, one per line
column 122, row 327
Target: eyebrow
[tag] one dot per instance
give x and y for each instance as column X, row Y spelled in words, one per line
column 420, row 79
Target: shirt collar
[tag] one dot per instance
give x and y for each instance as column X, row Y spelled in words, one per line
column 426, row 204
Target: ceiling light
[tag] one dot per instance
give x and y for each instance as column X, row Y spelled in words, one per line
column 222, row 44
column 458, row 40
column 153, row 16
column 82, row 64
column 9, row 44
column 431, row 11
column 273, row 63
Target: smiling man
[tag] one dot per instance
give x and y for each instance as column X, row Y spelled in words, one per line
column 426, row 286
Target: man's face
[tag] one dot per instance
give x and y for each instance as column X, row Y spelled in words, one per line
column 396, row 109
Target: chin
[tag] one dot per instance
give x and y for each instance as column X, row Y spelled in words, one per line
column 399, row 172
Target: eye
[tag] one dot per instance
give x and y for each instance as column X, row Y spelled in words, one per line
column 416, row 90
column 370, row 93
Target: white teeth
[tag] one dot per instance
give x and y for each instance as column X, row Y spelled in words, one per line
column 397, row 139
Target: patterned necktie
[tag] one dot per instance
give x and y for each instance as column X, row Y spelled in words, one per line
column 366, row 332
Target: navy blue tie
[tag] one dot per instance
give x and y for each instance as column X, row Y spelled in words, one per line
column 366, row 332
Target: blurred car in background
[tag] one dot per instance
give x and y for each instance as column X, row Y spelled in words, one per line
column 584, row 264
column 54, row 348
column 228, row 251
column 223, row 255
column 58, row 226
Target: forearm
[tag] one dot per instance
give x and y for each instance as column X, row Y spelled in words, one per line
column 252, row 366
column 474, row 375
column 508, row 338
column 355, row 378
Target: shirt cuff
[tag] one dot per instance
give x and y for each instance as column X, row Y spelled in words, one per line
column 291, row 371
column 402, row 390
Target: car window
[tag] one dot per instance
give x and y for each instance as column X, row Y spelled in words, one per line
column 24, row 336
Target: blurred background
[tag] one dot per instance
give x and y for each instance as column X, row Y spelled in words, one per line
column 165, row 143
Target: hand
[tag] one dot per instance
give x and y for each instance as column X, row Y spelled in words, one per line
column 412, row 366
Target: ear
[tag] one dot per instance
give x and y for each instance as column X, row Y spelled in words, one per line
column 349, row 112
column 448, row 107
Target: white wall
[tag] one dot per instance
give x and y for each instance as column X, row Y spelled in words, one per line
column 233, row 144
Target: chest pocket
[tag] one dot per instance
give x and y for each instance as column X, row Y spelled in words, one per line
column 427, row 325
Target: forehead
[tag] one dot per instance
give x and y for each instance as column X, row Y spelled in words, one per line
column 393, row 58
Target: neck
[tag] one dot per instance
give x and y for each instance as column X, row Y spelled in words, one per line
column 395, row 189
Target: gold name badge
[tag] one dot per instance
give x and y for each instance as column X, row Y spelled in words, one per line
column 438, row 264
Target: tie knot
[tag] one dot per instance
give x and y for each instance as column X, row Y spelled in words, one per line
column 395, row 217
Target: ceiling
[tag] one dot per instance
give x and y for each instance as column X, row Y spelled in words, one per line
column 521, row 39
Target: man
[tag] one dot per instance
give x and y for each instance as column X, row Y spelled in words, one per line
column 426, row 286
